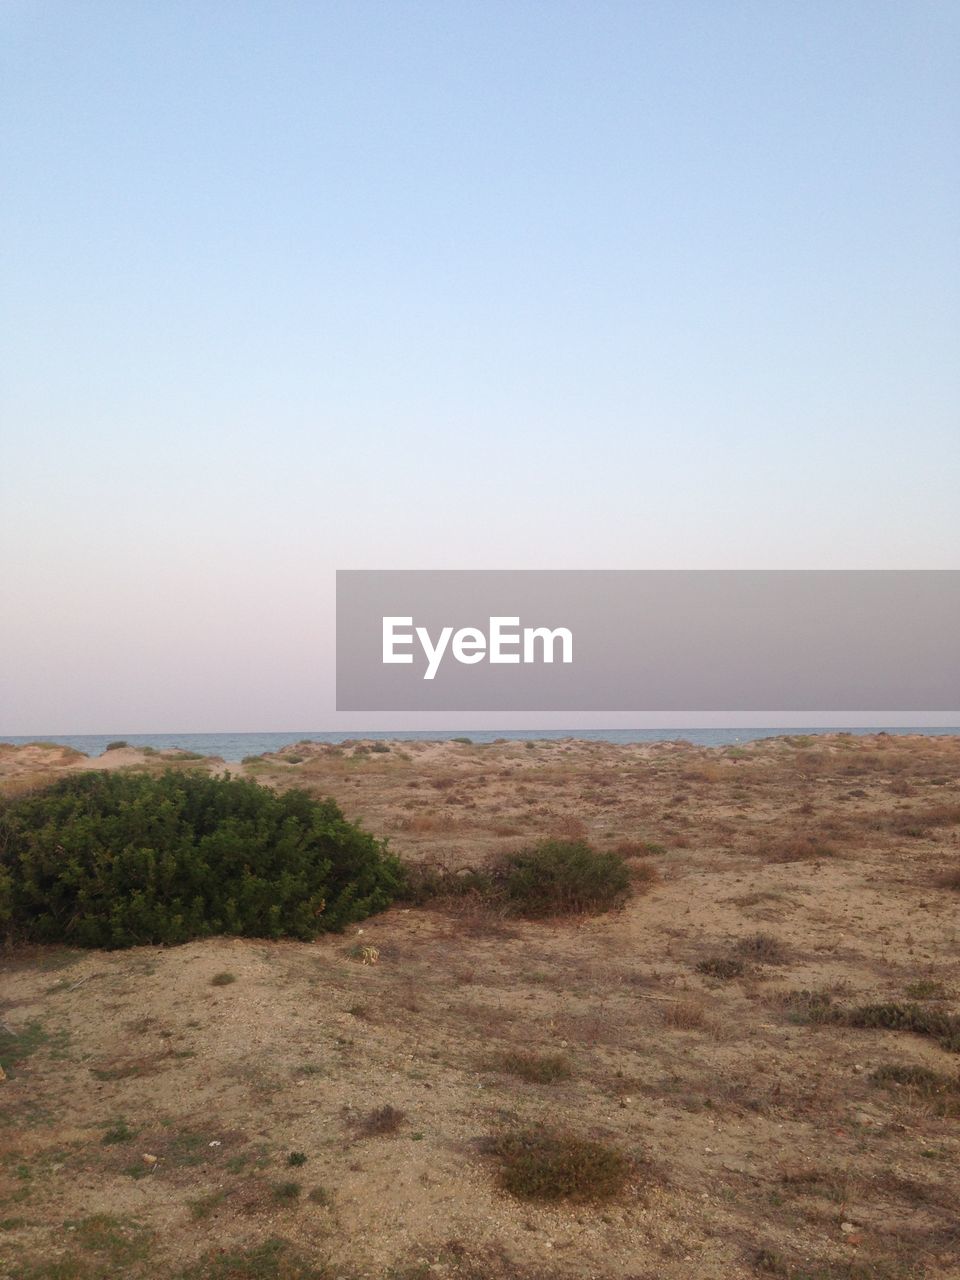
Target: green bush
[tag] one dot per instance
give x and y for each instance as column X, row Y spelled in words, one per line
column 554, row 878
column 121, row 859
column 564, row 877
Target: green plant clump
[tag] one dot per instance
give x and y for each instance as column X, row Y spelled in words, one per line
column 123, row 859
column 564, row 877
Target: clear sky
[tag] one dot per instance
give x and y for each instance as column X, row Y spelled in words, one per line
column 288, row 287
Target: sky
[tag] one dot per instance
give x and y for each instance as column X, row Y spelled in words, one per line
column 292, row 287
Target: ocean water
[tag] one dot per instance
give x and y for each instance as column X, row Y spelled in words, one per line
column 234, row 746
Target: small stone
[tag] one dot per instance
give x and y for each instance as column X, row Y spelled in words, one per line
column 847, row 1228
column 148, row 1159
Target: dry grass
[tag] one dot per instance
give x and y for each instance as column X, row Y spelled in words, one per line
column 684, row 1015
column 552, row 1165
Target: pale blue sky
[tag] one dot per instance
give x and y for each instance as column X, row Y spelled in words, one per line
column 288, row 287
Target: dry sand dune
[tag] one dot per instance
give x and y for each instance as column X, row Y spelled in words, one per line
column 158, row 1101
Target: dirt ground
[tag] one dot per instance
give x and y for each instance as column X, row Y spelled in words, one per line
column 214, row 1110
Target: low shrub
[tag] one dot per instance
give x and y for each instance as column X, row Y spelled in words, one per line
column 926, row 989
column 911, row 1076
column 120, row 859
column 722, row 967
column 554, row 878
column 119, row 1131
column 763, row 948
column 382, row 1122
column 638, row 848
column 801, row 848
column 116, row 746
column 819, row 1007
column 893, row 1016
column 426, row 882
column 551, row 1165
column 563, row 877
column 808, row 1008
column 940, row 1092
column 685, row 1015
column 534, row 1068
column 919, row 822
column 643, row 875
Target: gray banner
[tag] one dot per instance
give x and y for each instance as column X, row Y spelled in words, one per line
column 442, row 640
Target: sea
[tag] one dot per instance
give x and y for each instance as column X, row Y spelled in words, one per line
column 234, row 746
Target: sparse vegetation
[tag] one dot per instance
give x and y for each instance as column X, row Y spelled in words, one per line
column 722, row 967
column 116, row 746
column 833, row 1146
column 223, row 979
column 926, row 989
column 275, row 1259
column 941, row 1090
column 119, row 1131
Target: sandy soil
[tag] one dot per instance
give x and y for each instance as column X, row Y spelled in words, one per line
column 140, row 1088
